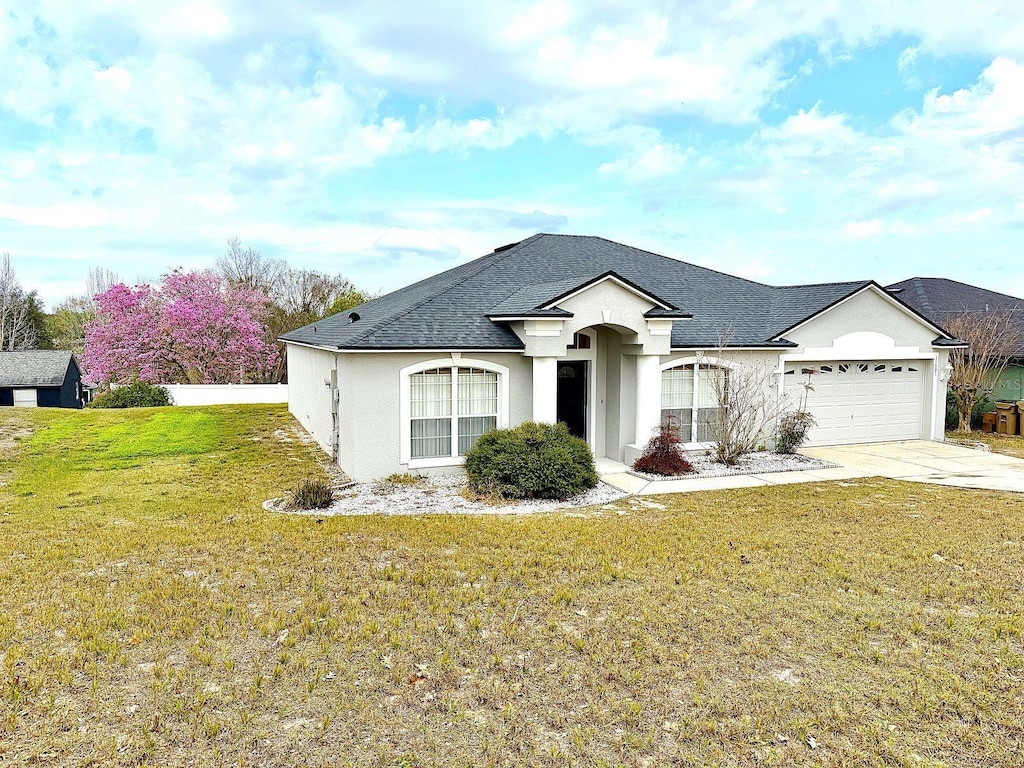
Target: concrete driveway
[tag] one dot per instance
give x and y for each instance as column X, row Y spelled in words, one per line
column 925, row 461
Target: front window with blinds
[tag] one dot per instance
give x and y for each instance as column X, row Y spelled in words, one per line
column 677, row 399
column 440, row 411
column 430, row 393
column 690, row 395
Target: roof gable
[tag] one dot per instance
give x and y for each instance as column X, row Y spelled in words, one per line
column 877, row 289
column 35, row 368
column 611, row 276
column 544, row 299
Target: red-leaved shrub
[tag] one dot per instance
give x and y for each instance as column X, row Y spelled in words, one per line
column 664, row 454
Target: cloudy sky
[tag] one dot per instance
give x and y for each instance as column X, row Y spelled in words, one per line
column 788, row 142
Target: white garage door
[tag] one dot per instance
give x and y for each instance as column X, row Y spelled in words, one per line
column 860, row 401
column 25, row 398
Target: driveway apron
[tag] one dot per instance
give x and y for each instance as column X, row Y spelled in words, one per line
column 926, row 461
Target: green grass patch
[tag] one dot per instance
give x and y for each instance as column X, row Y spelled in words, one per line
column 105, row 441
column 153, row 614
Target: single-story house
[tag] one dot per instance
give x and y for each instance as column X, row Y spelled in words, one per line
column 46, row 378
column 609, row 339
column 940, row 300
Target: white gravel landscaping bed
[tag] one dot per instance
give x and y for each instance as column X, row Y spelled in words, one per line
column 758, row 463
column 437, row 496
column 442, row 495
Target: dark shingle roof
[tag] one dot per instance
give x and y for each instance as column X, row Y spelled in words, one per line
column 450, row 310
column 34, row 368
column 529, row 298
column 940, row 299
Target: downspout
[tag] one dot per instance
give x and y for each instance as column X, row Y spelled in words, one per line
column 335, row 408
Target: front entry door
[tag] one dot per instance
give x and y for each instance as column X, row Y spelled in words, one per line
column 572, row 396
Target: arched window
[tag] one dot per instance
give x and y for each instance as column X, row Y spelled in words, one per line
column 692, row 394
column 446, row 408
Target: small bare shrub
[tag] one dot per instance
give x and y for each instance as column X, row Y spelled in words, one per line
column 747, row 409
column 311, row 494
column 793, row 429
column 664, row 454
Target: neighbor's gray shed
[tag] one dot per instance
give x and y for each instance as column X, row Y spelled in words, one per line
column 46, row 378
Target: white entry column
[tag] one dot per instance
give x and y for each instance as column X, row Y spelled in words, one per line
column 648, row 397
column 545, row 389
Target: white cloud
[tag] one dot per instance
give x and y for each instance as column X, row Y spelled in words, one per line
column 205, row 20
column 419, row 242
column 991, row 110
column 58, row 216
column 966, row 219
column 218, row 203
column 224, row 118
column 649, row 162
column 907, row 58
column 864, row 229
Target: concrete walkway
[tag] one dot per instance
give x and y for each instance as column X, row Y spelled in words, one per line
column 921, row 461
column 617, row 476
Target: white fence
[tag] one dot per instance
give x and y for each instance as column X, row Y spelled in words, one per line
column 226, row 394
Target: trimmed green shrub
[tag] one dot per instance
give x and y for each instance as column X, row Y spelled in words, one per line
column 664, row 454
column 311, row 494
column 531, row 461
column 135, row 395
column 793, row 429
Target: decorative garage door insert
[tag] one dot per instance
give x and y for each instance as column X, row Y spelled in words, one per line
column 859, row 401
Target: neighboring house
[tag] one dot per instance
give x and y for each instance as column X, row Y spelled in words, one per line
column 609, row 339
column 940, row 300
column 40, row 377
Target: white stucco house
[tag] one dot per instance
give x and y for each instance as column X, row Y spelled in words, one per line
column 609, row 339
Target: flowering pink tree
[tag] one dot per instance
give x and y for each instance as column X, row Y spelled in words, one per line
column 194, row 329
column 119, row 341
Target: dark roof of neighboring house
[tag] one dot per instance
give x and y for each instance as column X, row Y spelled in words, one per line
column 451, row 310
column 939, row 299
column 34, row 368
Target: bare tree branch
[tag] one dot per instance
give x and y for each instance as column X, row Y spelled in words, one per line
column 748, row 407
column 98, row 280
column 248, row 267
column 995, row 339
column 17, row 330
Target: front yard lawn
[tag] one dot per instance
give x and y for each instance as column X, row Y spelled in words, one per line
column 152, row 614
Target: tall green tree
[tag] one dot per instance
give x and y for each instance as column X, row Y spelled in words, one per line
column 66, row 324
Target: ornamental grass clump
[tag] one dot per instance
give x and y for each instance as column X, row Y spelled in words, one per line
column 664, row 454
column 531, row 461
column 311, row 494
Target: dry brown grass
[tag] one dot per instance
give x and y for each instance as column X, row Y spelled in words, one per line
column 152, row 614
column 1011, row 445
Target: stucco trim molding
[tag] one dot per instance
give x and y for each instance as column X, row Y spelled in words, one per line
column 861, row 345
